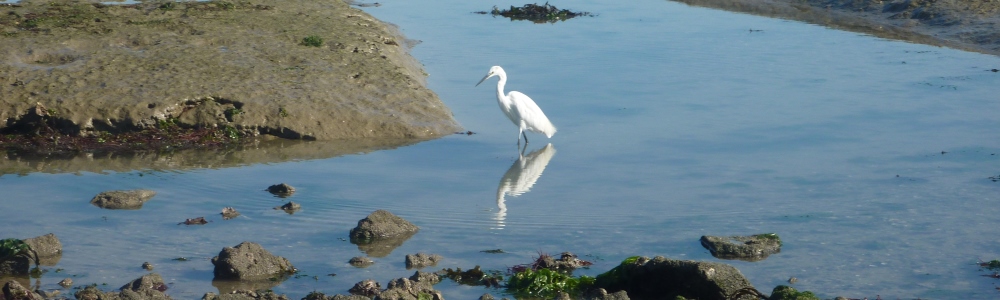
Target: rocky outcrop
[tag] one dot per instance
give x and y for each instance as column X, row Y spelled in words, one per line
column 381, row 232
column 147, row 287
column 122, row 199
column 281, row 190
column 421, row 260
column 381, row 224
column 249, row 261
column 748, row 248
column 12, row 290
column 663, row 278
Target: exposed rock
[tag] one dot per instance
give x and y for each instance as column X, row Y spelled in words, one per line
column 663, row 278
column 249, row 261
column 281, row 190
column 429, row 278
column 204, row 64
column 602, row 294
column 406, row 289
column 367, row 288
column 381, row 224
column 147, row 266
column 18, row 265
column 66, row 282
column 147, row 287
column 229, row 213
column 361, row 262
column 194, row 221
column 421, row 260
column 290, row 207
column 245, row 295
column 567, row 262
column 122, row 199
column 48, row 248
column 486, row 296
column 748, row 248
column 783, row 292
column 320, row 296
column 12, row 290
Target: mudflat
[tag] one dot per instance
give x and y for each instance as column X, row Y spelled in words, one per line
column 297, row 69
column 972, row 25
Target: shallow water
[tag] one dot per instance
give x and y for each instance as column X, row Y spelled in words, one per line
column 870, row 158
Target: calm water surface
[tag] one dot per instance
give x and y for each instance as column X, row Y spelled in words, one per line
column 870, row 158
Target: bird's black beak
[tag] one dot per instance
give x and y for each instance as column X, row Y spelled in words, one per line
column 484, row 79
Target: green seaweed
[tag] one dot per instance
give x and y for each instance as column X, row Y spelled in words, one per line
column 769, row 236
column 784, row 292
column 546, row 283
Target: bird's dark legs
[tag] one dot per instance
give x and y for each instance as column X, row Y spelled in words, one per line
column 525, row 138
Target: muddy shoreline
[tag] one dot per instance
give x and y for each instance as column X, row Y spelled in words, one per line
column 972, row 25
column 314, row 70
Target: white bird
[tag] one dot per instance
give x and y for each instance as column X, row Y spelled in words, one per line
column 520, row 109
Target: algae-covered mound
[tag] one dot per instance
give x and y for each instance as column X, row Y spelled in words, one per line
column 235, row 64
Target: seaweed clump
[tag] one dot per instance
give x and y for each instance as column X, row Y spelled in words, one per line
column 547, row 277
column 545, row 13
column 38, row 132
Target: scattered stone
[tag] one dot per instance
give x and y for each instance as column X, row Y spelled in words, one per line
column 249, row 261
column 122, row 199
column 430, row 278
column 381, row 224
column 567, row 262
column 793, row 280
column 748, row 248
column 493, row 251
column 290, row 207
column 149, row 286
column 368, row 288
column 246, row 295
column 229, row 213
column 281, row 190
column 148, row 266
column 663, row 278
column 13, row 290
column 602, row 294
column 486, row 296
column 195, row 221
column 406, row 289
column 67, row 282
column 361, row 262
column 421, row 260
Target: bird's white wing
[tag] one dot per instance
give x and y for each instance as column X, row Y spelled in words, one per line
column 531, row 114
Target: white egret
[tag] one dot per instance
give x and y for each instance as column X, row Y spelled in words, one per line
column 520, row 109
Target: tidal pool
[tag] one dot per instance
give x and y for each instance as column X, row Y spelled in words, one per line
column 870, row 158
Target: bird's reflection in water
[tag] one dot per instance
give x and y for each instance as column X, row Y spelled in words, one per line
column 520, row 177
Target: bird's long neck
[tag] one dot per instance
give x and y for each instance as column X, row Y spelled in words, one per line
column 500, row 85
